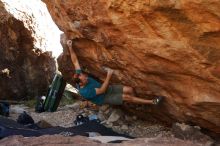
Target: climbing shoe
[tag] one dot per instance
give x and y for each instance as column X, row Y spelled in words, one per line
column 157, row 100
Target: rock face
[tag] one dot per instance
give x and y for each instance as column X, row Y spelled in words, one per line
column 168, row 48
column 37, row 19
column 25, row 72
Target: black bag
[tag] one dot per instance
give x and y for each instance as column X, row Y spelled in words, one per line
column 25, row 119
column 4, row 109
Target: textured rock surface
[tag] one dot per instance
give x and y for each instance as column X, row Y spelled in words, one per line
column 59, row 140
column 24, row 71
column 37, row 19
column 168, row 48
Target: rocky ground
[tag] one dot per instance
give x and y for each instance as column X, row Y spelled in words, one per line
column 116, row 119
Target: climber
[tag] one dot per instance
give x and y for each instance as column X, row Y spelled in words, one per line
column 103, row 93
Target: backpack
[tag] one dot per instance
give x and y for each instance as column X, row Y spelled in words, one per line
column 39, row 107
column 25, row 119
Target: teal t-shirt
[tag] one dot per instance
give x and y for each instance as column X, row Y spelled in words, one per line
column 89, row 93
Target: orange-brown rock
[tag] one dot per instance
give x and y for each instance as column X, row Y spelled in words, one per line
column 59, row 140
column 25, row 72
column 169, row 48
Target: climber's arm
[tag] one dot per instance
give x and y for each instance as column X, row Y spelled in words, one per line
column 104, row 86
column 74, row 58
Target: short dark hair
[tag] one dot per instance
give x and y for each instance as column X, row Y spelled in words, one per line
column 76, row 80
column 84, row 72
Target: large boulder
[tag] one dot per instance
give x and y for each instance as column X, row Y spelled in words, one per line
column 25, row 71
column 169, row 48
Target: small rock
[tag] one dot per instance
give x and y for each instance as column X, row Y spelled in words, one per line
column 120, row 122
column 187, row 132
column 116, row 124
column 124, row 127
column 80, row 112
column 94, row 134
column 116, row 127
column 128, row 118
column 104, row 108
column 91, row 113
column 101, row 116
column 84, row 114
column 134, row 118
column 44, row 124
column 18, row 109
column 107, row 112
column 109, row 125
column 114, row 116
column 74, row 106
column 103, row 122
column 85, row 110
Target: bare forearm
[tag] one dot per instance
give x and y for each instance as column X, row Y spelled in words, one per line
column 105, row 84
column 73, row 55
column 74, row 58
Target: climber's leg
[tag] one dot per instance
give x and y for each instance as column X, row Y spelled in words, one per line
column 133, row 99
column 128, row 90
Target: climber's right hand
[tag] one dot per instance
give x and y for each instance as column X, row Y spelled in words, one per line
column 110, row 71
column 69, row 43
